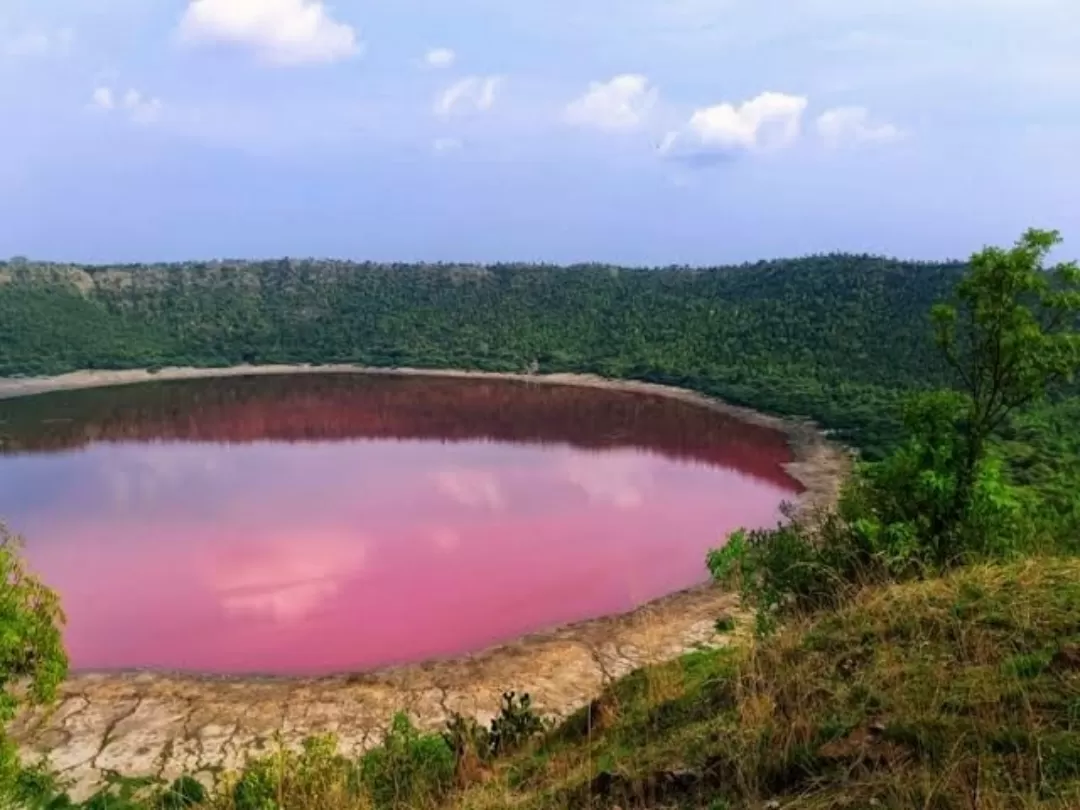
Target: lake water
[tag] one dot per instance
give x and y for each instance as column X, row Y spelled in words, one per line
column 322, row 523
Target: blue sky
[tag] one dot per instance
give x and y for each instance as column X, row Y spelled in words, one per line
column 632, row 131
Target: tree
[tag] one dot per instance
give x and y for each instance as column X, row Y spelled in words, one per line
column 1009, row 337
column 32, row 658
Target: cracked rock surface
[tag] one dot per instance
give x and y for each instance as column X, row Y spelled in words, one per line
column 144, row 724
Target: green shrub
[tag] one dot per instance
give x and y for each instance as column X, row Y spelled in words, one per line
column 38, row 788
column 409, row 768
column 893, row 522
column 467, row 738
column 32, row 658
column 794, row 567
column 316, row 776
column 515, row 724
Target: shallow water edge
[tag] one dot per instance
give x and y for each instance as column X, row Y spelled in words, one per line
column 820, row 465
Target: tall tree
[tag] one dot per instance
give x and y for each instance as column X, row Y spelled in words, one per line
column 1009, row 336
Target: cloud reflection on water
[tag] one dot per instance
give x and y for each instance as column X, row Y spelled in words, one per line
column 286, row 577
column 300, row 557
column 619, row 478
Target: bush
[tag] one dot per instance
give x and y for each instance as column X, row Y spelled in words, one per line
column 793, row 568
column 316, row 776
column 409, row 769
column 470, row 743
column 902, row 508
column 515, row 724
column 895, row 520
column 32, row 658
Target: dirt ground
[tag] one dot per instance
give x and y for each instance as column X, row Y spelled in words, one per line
column 148, row 724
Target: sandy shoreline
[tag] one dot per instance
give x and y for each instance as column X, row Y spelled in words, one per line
column 145, row 724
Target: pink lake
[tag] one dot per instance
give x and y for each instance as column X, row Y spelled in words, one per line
column 303, row 525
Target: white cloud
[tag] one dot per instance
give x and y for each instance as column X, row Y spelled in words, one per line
column 103, row 98
column 766, row 122
column 842, row 125
column 770, row 119
column 440, row 58
column 40, row 43
column 142, row 110
column 443, row 145
column 620, row 104
column 486, row 99
column 474, row 93
column 139, row 109
column 284, row 32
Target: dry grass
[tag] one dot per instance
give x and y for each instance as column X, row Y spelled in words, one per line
column 955, row 693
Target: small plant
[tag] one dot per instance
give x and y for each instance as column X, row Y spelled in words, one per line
column 409, row 768
column 258, row 787
column 471, row 744
column 515, row 724
column 120, row 793
column 724, row 624
column 38, row 788
column 32, row 658
column 182, row 793
column 316, row 776
column 791, row 568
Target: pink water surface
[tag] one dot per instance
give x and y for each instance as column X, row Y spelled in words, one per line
column 350, row 545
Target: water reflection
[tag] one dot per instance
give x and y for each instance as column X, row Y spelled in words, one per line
column 313, row 524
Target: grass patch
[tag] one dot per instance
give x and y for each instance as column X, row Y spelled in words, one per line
column 949, row 693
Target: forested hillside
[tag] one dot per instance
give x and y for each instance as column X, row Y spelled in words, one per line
column 832, row 337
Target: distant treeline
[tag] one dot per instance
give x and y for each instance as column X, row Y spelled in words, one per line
column 837, row 338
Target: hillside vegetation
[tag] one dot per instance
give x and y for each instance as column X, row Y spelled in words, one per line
column 961, row 692
column 915, row 646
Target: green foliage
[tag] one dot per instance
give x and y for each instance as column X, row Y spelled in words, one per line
column 184, row 792
column 467, row 738
column 1009, row 338
column 315, row 776
column 124, row 793
column 409, row 769
column 258, row 787
column 515, row 724
column 32, row 658
column 796, row 567
column 474, row 746
column 902, row 509
column 724, row 624
column 943, row 496
column 891, row 700
column 37, row 788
